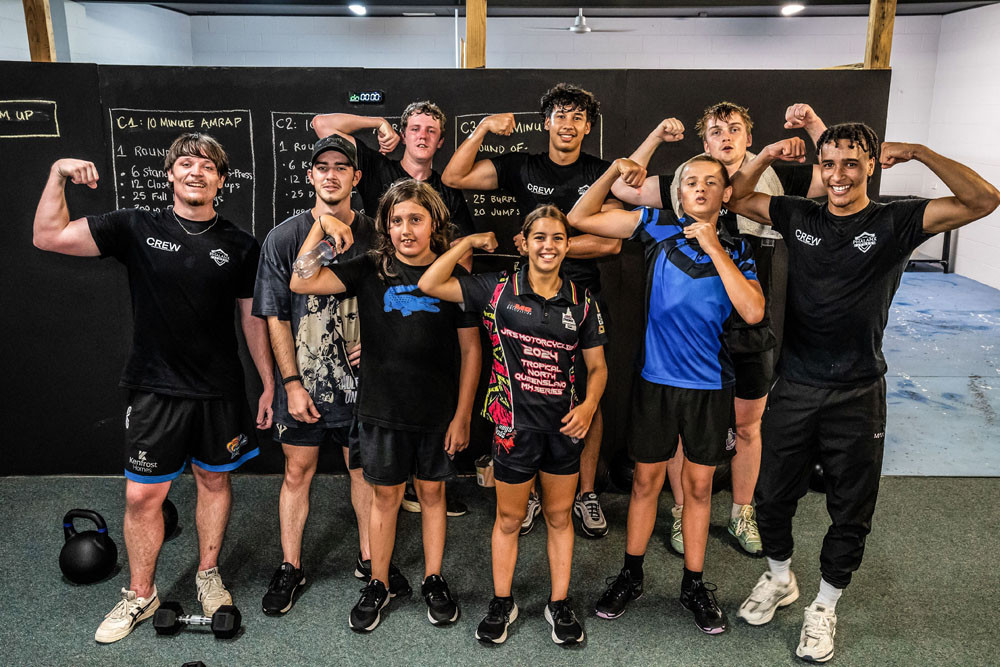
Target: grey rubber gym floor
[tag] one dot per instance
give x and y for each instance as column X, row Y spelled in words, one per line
column 925, row 595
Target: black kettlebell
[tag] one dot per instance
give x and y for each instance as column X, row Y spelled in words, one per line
column 169, row 519
column 88, row 556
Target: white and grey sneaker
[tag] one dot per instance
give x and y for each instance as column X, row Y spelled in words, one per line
column 588, row 509
column 818, row 630
column 534, row 509
column 766, row 597
column 212, row 593
column 128, row 613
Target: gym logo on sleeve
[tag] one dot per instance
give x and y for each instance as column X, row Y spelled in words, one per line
column 400, row 297
column 864, row 242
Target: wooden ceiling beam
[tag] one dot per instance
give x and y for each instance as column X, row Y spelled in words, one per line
column 475, row 34
column 38, row 22
column 878, row 48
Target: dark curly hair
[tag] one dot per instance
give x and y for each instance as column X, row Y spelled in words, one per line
column 403, row 190
column 569, row 96
column 856, row 134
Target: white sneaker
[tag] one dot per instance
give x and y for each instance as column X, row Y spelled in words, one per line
column 128, row 613
column 766, row 597
column 816, row 639
column 534, row 509
column 212, row 593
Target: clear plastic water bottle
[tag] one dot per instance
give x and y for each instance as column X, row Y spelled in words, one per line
column 308, row 264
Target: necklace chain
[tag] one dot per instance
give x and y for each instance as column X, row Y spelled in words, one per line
column 214, row 220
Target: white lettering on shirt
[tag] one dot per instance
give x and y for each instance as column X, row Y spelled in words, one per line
column 808, row 239
column 162, row 245
column 539, row 190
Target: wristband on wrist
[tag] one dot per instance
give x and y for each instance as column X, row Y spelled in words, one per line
column 291, row 378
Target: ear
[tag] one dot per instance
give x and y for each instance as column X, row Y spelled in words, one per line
column 170, row 174
column 441, row 141
column 547, row 124
column 726, row 194
column 871, row 166
column 586, row 128
column 309, row 176
column 357, row 177
column 704, row 144
column 749, row 140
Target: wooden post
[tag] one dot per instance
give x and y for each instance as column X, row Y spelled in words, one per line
column 38, row 21
column 881, row 16
column 475, row 34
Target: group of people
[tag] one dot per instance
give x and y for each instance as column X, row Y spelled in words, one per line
column 706, row 388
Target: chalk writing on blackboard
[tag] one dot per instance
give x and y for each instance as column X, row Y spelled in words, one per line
column 24, row 119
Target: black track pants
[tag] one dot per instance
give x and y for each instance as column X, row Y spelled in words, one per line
column 844, row 430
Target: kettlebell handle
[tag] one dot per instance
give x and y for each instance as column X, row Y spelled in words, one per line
column 91, row 515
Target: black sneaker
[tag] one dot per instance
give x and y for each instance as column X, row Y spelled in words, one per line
column 493, row 628
column 700, row 599
column 368, row 611
column 455, row 507
column 441, row 607
column 621, row 590
column 398, row 585
column 280, row 594
column 565, row 628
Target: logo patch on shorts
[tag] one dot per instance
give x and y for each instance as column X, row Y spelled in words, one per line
column 864, row 242
column 219, row 255
column 280, row 428
column 234, row 445
column 600, row 323
column 730, row 440
column 568, row 321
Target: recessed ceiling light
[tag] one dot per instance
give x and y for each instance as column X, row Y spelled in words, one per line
column 789, row 10
column 358, row 9
column 419, row 14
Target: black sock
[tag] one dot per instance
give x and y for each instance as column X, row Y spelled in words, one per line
column 634, row 565
column 690, row 579
column 509, row 598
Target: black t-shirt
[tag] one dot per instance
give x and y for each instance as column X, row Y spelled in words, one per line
column 411, row 358
column 184, row 288
column 379, row 172
column 536, row 347
column 534, row 179
column 842, row 275
column 323, row 327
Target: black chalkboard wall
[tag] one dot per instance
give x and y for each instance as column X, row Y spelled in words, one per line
column 66, row 320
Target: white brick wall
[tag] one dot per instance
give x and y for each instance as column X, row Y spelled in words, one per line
column 963, row 126
column 13, row 37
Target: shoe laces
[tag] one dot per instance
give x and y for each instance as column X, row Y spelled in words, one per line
column 745, row 523
column 593, row 507
column 498, row 612
column 703, row 595
column 437, row 590
column 122, row 609
column 211, row 587
column 562, row 612
column 370, row 594
column 284, row 578
column 818, row 625
column 619, row 584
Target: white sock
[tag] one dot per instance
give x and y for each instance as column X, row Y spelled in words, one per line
column 781, row 570
column 737, row 508
column 828, row 595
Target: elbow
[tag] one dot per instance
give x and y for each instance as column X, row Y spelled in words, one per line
column 425, row 285
column 755, row 313
column 321, row 127
column 448, row 178
column 615, row 247
column 297, row 285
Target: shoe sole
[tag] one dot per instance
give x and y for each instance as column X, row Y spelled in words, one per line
column 454, row 513
column 291, row 602
column 410, row 506
column 809, row 658
column 610, row 617
column 783, row 602
column 578, row 513
column 378, row 618
column 125, row 632
column 502, row 638
column 759, row 552
column 361, row 575
column 445, row 621
column 710, row 631
column 562, row 642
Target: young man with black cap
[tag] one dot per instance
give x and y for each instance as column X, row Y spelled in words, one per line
column 845, row 261
column 316, row 349
column 559, row 177
column 188, row 269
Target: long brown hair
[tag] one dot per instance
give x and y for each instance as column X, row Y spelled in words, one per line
column 544, row 211
column 424, row 195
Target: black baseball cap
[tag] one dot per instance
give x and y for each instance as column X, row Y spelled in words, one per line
column 335, row 142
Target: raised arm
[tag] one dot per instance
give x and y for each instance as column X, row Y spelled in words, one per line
column 255, row 332
column 587, row 215
column 757, row 205
column 323, row 281
column 464, row 171
column 801, row 115
column 746, row 295
column 437, row 280
column 646, row 192
column 346, row 124
column 53, row 230
column 972, row 196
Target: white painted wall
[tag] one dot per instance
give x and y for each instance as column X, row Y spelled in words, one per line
column 13, row 37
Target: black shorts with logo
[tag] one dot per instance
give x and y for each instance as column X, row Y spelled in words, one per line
column 163, row 433
column 703, row 418
column 389, row 456
column 754, row 374
column 317, row 435
column 519, row 456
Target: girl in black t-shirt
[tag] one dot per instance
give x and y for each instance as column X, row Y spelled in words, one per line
column 537, row 323
column 416, row 391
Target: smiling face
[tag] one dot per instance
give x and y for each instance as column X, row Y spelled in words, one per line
column 422, row 136
column 703, row 189
column 845, row 169
column 567, row 126
column 726, row 139
column 333, row 177
column 410, row 227
column 547, row 243
column 196, row 180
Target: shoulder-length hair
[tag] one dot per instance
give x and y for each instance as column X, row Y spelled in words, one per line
column 424, row 195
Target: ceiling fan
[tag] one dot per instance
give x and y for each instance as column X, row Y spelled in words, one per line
column 580, row 27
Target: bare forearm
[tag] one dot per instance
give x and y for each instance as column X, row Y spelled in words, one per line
column 971, row 189
column 745, row 295
column 345, row 123
column 301, row 285
column 283, row 346
column 464, row 158
column 52, row 213
column 255, row 332
column 590, row 246
column 644, row 153
column 597, row 381
column 593, row 199
column 815, row 130
column 468, row 376
column 745, row 180
column 440, row 271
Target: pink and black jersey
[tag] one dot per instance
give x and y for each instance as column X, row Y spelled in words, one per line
column 536, row 347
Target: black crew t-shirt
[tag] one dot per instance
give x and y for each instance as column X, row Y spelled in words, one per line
column 411, row 359
column 323, row 326
column 536, row 346
column 183, row 286
column 842, row 274
column 534, row 179
column 378, row 172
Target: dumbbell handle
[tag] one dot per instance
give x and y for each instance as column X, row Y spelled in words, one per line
column 191, row 619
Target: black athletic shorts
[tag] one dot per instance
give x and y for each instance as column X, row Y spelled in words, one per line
column 517, row 458
column 754, row 374
column 316, row 435
column 389, row 456
column 163, row 433
column 703, row 418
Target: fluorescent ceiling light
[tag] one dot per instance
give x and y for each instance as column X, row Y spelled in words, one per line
column 358, row 9
column 788, row 10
